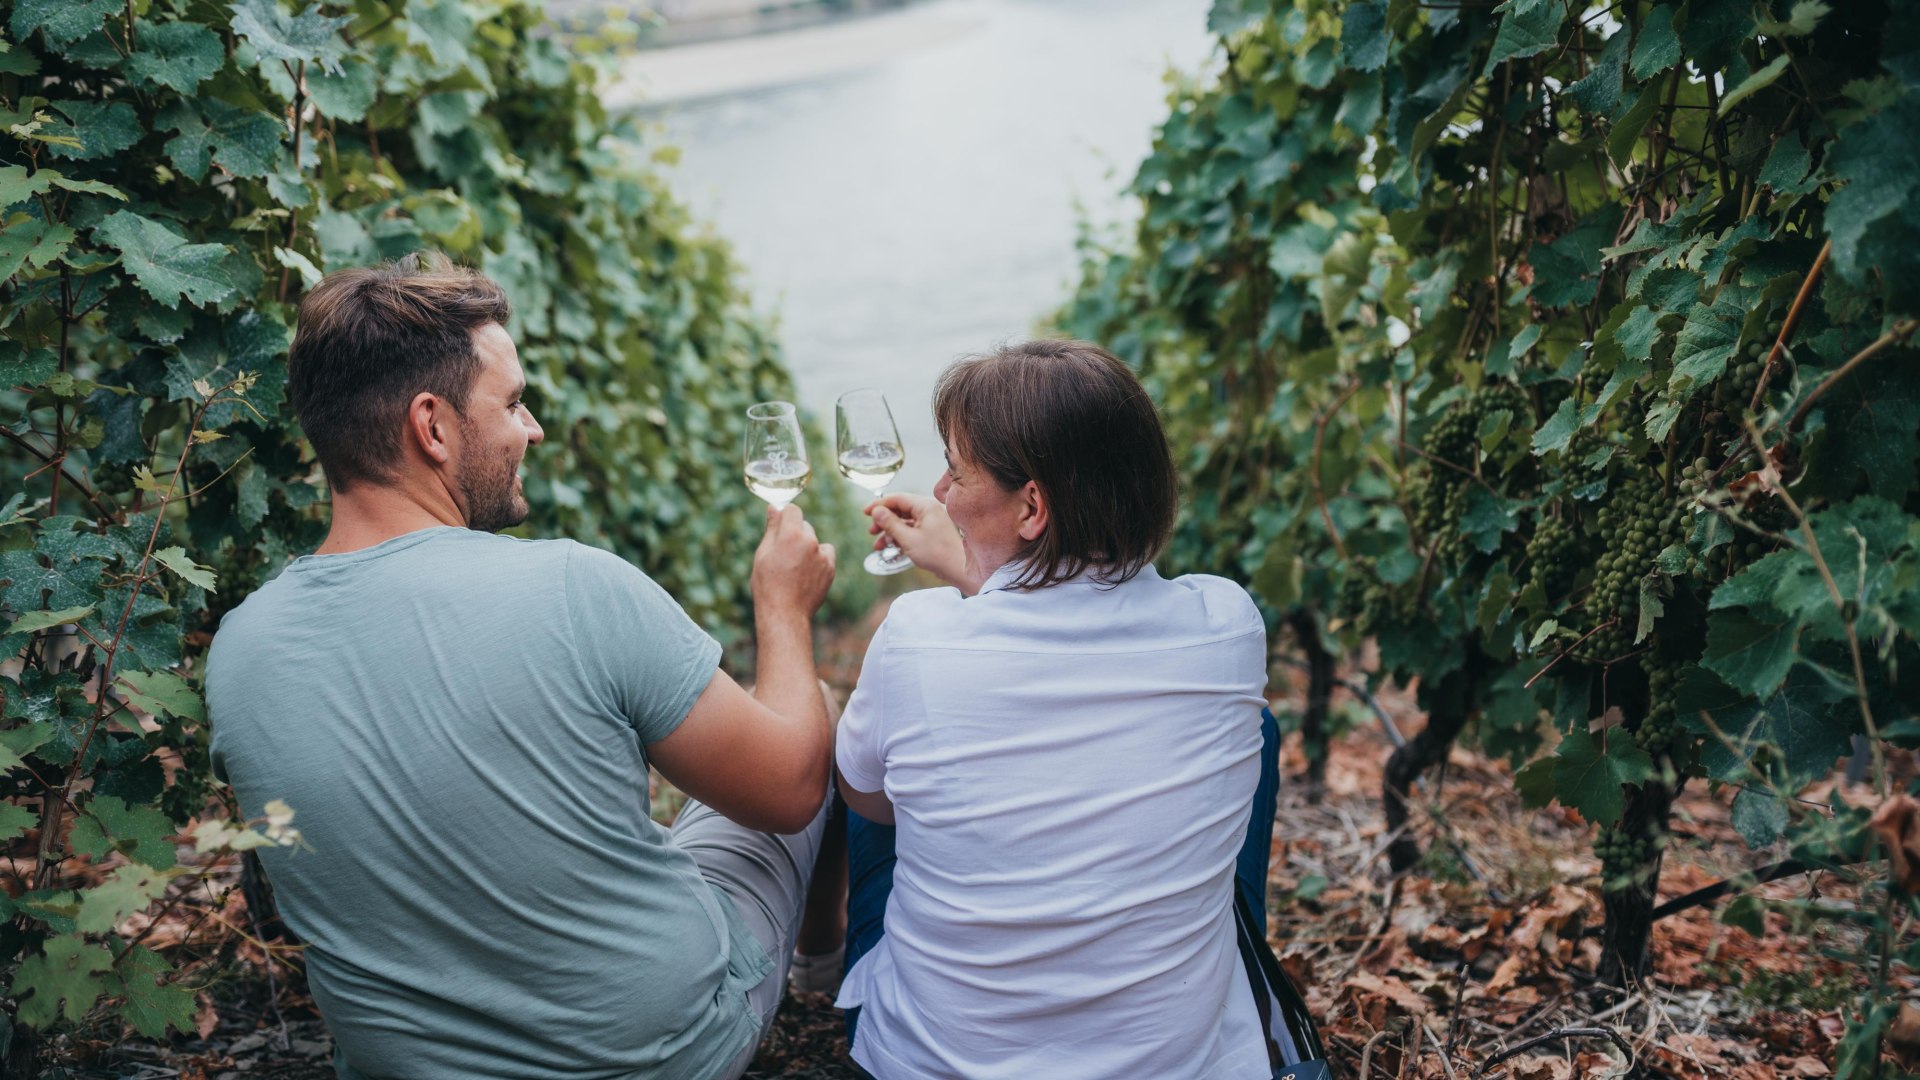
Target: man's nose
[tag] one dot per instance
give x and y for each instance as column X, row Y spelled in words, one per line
column 535, row 433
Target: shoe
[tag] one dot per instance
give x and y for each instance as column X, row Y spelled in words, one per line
column 817, row 974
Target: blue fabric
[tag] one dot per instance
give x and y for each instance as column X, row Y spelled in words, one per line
column 870, row 859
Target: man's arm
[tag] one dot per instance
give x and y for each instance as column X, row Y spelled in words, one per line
column 762, row 758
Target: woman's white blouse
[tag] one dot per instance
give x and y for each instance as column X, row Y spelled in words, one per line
column 1072, row 773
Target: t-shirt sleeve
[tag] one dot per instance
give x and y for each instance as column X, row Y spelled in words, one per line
column 638, row 649
column 859, row 746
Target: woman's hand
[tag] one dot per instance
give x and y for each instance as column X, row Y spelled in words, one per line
column 921, row 528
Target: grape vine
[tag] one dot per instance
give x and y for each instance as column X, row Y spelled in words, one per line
column 1552, row 350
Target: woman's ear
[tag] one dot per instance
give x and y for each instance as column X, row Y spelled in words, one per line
column 1033, row 512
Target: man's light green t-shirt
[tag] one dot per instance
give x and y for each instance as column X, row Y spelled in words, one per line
column 458, row 720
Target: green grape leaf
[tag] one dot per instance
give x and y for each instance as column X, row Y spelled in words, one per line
column 1534, row 782
column 1629, row 124
column 1363, row 35
column 1591, row 776
column 15, row 820
column 65, row 980
column 1800, row 22
column 159, row 692
column 103, row 128
column 40, row 620
column 141, row 833
column 1557, row 433
column 177, row 560
column 65, row 584
column 61, row 21
column 277, row 36
column 1759, row 816
column 244, row 142
column 1803, row 726
column 1752, row 655
column 1525, row 32
column 1873, row 218
column 1704, row 345
column 1599, row 92
column 346, row 94
column 1755, row 83
column 166, row 266
column 1658, row 47
column 17, row 743
column 32, row 243
column 1488, row 517
column 1787, row 164
column 1868, row 426
column 1567, row 271
column 17, row 185
column 128, row 889
column 152, row 1003
column 177, row 55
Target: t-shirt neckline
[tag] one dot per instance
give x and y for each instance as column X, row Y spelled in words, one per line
column 367, row 554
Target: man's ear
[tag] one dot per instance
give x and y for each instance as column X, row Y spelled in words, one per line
column 429, row 426
column 1033, row 512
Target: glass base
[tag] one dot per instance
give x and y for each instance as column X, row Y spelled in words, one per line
column 890, row 561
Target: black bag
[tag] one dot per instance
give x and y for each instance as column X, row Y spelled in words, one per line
column 1293, row 1046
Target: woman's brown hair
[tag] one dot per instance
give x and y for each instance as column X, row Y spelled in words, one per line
column 1072, row 418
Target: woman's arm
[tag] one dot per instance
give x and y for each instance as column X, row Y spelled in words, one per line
column 921, row 528
column 872, row 805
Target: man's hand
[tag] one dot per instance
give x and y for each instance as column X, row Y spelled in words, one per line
column 792, row 569
column 920, row 526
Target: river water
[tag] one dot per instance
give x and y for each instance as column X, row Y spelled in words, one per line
column 921, row 202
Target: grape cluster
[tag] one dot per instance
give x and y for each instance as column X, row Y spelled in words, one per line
column 1440, row 496
column 1552, row 554
column 1735, row 388
column 1625, row 858
column 1454, row 438
column 1636, row 524
column 1660, row 729
column 1369, row 602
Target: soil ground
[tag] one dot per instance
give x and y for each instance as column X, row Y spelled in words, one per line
column 1428, row 976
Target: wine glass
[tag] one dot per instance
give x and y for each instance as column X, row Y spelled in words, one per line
column 867, row 446
column 775, row 453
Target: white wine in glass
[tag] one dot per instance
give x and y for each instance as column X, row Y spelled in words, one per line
column 867, row 445
column 775, row 453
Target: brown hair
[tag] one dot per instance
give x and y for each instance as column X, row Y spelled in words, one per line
column 1072, row 418
column 372, row 338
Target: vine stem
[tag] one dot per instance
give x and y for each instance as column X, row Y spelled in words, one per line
column 1568, row 652
column 1553, row 1036
column 1772, row 475
column 1319, row 493
column 1792, row 320
column 51, row 815
column 1900, row 332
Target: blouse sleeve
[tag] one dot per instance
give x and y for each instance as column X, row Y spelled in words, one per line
column 860, row 746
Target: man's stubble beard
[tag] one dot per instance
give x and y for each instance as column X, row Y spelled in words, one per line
column 487, row 487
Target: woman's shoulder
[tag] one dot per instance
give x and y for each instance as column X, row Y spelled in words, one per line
column 923, row 614
column 1225, row 602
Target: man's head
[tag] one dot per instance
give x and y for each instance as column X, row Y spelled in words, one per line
column 404, row 371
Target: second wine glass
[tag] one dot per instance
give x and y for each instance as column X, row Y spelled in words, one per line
column 867, row 450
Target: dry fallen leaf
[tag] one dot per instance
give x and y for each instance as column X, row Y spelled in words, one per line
column 1898, row 824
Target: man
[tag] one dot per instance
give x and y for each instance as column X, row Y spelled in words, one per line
column 463, row 723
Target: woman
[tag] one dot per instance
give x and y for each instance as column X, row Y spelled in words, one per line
column 1069, row 745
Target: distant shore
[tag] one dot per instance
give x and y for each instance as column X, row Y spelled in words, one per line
column 769, row 58
column 672, row 23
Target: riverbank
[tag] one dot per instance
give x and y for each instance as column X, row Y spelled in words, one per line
column 654, row 78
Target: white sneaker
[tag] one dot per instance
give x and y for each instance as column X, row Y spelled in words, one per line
column 817, row 974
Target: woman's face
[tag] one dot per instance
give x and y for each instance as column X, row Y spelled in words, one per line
column 994, row 523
